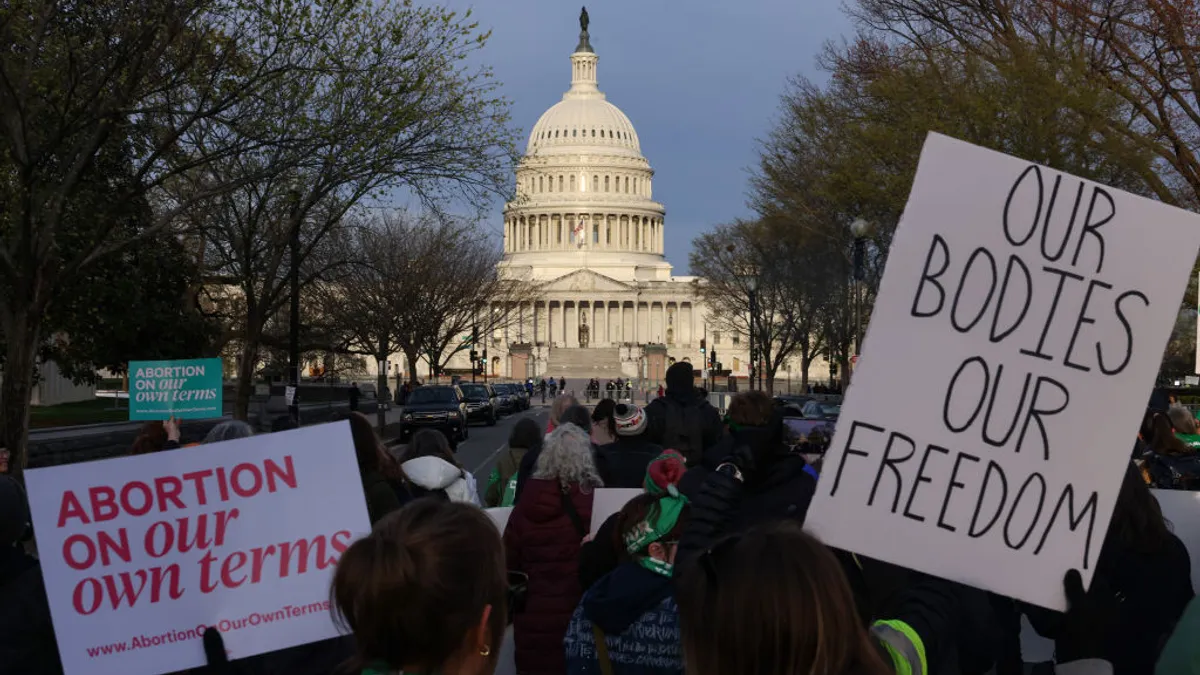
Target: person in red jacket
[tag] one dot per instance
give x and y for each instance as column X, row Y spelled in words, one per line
column 543, row 538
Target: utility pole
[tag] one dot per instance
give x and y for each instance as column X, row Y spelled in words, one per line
column 294, row 320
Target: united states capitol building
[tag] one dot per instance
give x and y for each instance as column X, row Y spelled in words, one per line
column 585, row 232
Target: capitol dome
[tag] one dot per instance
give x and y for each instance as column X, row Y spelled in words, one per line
column 584, row 192
column 591, row 122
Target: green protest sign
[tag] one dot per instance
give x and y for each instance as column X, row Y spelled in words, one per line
column 185, row 389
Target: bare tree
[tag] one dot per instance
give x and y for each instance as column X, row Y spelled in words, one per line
column 787, row 293
column 81, row 83
column 384, row 103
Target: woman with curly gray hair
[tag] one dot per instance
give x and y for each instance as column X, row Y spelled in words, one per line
column 543, row 538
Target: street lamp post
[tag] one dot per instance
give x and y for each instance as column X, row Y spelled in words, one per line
column 859, row 229
column 294, row 319
column 750, row 279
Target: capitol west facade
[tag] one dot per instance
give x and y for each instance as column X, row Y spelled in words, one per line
column 585, row 232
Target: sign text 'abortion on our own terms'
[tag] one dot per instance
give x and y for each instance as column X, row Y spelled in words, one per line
column 1016, row 335
column 141, row 553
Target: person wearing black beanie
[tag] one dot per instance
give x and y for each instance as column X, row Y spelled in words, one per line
column 683, row 420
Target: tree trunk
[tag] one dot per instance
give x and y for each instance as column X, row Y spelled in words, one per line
column 410, row 355
column 23, row 333
column 245, row 384
column 805, row 365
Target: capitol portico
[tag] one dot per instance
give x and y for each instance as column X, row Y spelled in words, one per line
column 585, row 232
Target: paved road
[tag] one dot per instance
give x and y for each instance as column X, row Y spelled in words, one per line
column 479, row 453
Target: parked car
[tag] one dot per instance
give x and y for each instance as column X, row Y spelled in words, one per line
column 792, row 403
column 441, row 407
column 821, row 410
column 482, row 403
column 506, row 399
column 514, row 396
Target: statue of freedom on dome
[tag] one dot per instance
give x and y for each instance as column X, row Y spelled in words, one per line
column 584, row 21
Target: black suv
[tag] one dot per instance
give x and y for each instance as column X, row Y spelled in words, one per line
column 440, row 407
column 482, row 403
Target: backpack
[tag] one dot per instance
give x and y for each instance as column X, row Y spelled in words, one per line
column 683, row 429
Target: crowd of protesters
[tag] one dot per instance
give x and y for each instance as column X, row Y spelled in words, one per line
column 707, row 572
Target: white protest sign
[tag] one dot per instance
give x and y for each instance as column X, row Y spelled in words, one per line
column 141, row 553
column 608, row 501
column 500, row 516
column 1015, row 340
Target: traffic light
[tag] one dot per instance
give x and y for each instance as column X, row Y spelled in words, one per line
column 703, row 344
column 474, row 356
column 712, row 358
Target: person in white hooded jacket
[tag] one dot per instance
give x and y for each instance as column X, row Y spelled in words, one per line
column 430, row 466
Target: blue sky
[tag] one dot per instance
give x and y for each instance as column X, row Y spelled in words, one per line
column 700, row 80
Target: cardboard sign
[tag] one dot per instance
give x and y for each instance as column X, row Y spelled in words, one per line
column 608, row 501
column 1015, row 340
column 500, row 516
column 141, row 553
column 187, row 389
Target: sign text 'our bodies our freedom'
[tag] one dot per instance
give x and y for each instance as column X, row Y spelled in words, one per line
column 188, row 389
column 1015, row 339
column 140, row 554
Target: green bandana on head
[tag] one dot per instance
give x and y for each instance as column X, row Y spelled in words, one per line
column 662, row 476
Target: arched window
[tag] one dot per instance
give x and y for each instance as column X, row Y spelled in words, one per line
column 574, row 133
column 572, row 182
column 626, row 184
column 595, row 234
column 541, row 183
column 635, row 186
column 560, row 183
column 606, row 183
column 595, row 183
column 593, row 133
column 556, row 133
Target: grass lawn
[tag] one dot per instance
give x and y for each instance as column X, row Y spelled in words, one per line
column 94, row 411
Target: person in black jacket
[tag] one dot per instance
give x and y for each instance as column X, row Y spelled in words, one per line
column 27, row 643
column 783, row 484
column 1144, row 565
column 623, row 462
column 681, row 419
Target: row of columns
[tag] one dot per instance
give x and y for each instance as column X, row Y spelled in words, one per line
column 602, row 322
column 600, row 232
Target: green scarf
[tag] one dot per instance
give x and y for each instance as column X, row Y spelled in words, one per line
column 661, row 519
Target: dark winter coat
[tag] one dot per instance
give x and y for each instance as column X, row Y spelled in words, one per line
column 27, row 644
column 682, row 420
column 636, row 610
column 1155, row 589
column 381, row 495
column 929, row 606
column 541, row 541
column 622, row 463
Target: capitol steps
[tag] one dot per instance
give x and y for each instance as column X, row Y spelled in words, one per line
column 598, row 362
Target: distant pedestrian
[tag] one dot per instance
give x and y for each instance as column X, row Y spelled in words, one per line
column 355, row 394
column 562, row 384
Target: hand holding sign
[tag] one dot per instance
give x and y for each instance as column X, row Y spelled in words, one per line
column 1031, row 309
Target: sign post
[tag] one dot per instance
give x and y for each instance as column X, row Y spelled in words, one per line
column 1017, row 335
column 185, row 389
